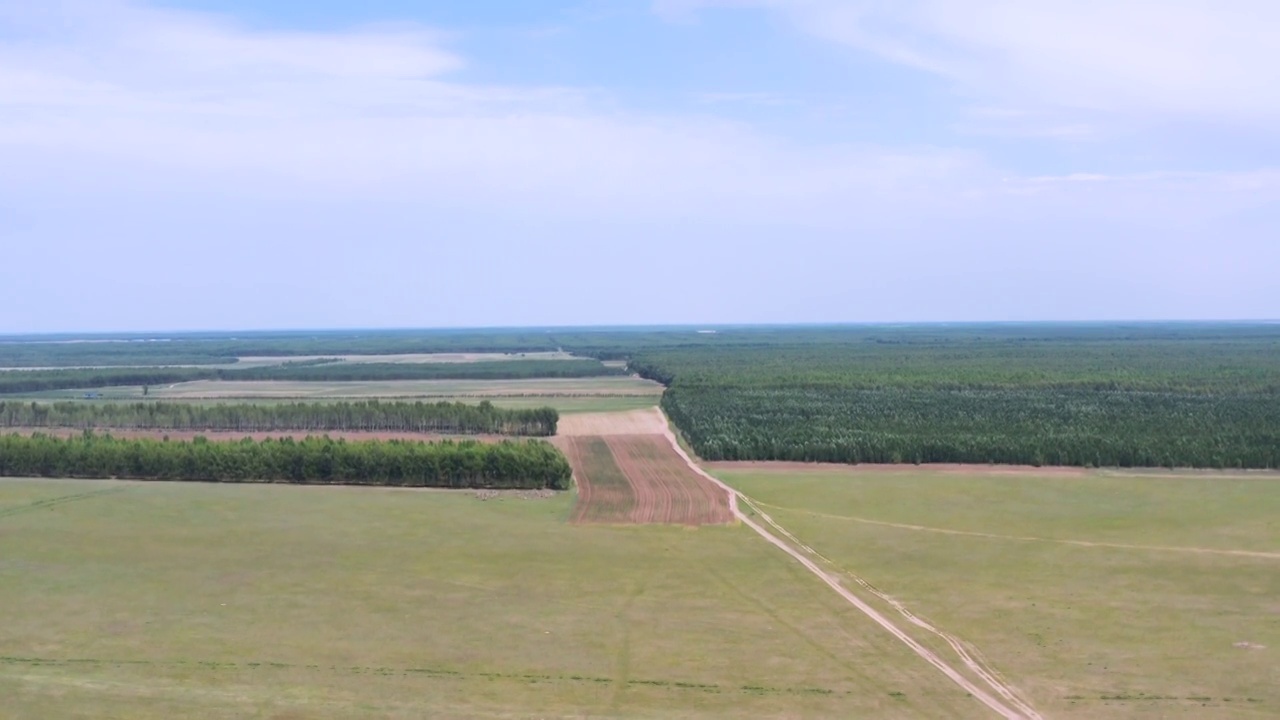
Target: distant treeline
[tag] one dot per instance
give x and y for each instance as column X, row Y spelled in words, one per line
column 27, row 381
column 224, row 348
column 441, row 417
column 532, row 464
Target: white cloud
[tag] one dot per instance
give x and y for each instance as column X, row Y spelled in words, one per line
column 143, row 96
column 1197, row 59
column 106, row 98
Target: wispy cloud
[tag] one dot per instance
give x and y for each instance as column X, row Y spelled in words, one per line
column 1196, row 59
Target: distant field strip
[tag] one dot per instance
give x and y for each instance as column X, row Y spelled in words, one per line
column 637, row 479
column 1028, row 538
column 567, row 387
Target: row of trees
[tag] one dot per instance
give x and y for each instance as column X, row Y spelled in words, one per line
column 27, row 381
column 531, row 464
column 373, row 415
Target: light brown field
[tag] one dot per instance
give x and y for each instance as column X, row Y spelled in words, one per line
column 406, row 358
column 424, row 389
column 647, row 421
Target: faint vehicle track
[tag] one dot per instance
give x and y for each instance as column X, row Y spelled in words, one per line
column 1031, row 538
column 61, row 500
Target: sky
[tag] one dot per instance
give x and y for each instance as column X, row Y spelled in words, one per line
column 237, row 164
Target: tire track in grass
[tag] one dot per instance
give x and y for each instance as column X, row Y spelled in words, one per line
column 61, row 500
column 777, row 618
column 622, row 671
column 402, row 671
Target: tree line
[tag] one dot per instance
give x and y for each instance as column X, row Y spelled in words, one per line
column 373, row 415
column 531, row 464
column 28, row 381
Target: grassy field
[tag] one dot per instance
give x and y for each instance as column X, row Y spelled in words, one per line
column 219, row 601
column 1163, row 615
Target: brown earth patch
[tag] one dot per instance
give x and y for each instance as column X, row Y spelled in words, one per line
column 639, row 479
column 943, row 468
column 605, row 494
column 634, row 422
column 667, row 490
column 234, row 435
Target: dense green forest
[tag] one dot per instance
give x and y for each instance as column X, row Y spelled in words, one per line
column 529, row 464
column 1093, row 399
column 441, row 417
column 28, row 381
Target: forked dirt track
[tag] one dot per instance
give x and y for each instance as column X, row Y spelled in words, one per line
column 991, row 690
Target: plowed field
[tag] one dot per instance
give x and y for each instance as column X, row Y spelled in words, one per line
column 640, row 479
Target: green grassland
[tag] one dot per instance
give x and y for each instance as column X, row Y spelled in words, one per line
column 159, row 600
column 1085, row 631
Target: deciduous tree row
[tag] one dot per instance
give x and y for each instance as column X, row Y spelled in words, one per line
column 531, row 464
column 373, row 415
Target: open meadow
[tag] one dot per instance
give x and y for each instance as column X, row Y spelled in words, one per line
column 1097, row 594
column 162, row 600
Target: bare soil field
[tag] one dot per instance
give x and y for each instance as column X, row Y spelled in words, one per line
column 233, row 435
column 627, row 472
column 667, row 490
column 648, row 421
column 605, row 494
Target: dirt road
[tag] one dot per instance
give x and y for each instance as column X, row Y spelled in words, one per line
column 997, row 695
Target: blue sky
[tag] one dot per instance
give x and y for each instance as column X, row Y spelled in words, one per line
column 208, row 164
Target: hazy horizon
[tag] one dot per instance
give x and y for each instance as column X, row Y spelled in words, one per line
column 212, row 164
column 156, row 333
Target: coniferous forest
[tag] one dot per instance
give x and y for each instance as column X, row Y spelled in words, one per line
column 530, row 464
column 1079, row 396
